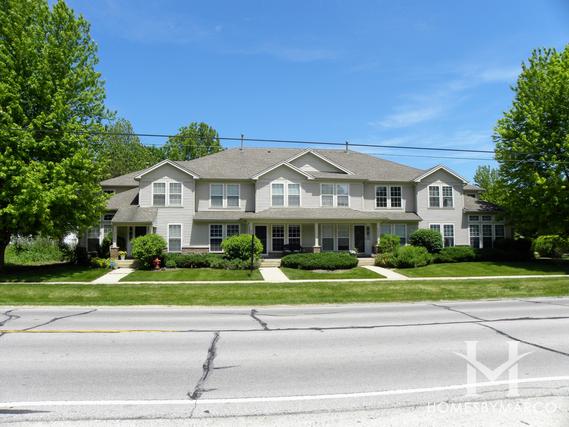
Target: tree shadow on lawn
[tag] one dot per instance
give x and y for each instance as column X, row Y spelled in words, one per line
column 49, row 272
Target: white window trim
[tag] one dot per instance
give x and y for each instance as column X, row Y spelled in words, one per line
column 453, row 233
column 224, row 195
column 392, row 230
column 441, row 197
column 223, row 234
column 181, row 235
column 335, row 195
column 285, row 234
column 388, row 197
column 167, row 194
column 285, row 237
column 285, row 184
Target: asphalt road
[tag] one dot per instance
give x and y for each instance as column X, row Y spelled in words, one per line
column 382, row 364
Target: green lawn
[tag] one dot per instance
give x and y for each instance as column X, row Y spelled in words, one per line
column 51, row 273
column 192, row 274
column 488, row 268
column 354, row 273
column 265, row 293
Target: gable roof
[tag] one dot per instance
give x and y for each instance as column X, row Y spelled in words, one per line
column 438, row 168
column 171, row 163
column 281, row 164
column 321, row 157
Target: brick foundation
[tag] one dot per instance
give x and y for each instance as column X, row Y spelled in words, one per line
column 195, row 250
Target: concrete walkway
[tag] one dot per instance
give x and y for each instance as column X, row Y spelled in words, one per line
column 113, row 276
column 387, row 273
column 273, row 274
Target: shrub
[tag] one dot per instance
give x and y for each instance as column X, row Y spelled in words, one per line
column 100, row 262
column 507, row 250
column 104, row 250
column 81, row 256
column 146, row 248
column 553, row 246
column 455, row 254
column 206, row 261
column 33, row 250
column 388, row 243
column 431, row 240
column 170, row 263
column 320, row 261
column 405, row 257
column 239, row 247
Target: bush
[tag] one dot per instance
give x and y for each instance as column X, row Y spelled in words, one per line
column 81, row 256
column 431, row 240
column 320, row 261
column 170, row 263
column 206, row 261
column 507, row 250
column 552, row 246
column 405, row 257
column 388, row 243
column 33, row 250
column 146, row 248
column 104, row 250
column 455, row 254
column 96, row 262
column 239, row 247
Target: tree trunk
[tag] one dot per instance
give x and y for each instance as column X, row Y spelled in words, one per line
column 4, row 241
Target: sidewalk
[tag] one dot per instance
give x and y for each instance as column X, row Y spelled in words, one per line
column 113, row 276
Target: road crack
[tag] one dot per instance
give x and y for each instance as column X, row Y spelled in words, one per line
column 55, row 319
column 9, row 316
column 482, row 322
column 261, row 322
column 207, row 367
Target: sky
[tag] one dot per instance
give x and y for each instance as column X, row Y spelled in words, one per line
column 405, row 73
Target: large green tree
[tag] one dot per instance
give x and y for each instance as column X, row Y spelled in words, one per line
column 192, row 141
column 121, row 152
column 532, row 145
column 51, row 97
column 488, row 178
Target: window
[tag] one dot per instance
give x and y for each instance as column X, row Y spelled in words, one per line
column 381, row 197
column 474, row 235
column 216, row 195
column 448, row 235
column 395, row 193
column 385, row 229
column 327, row 194
column 93, row 233
column 499, row 231
column 294, row 194
column 215, row 237
column 447, row 197
column 487, row 235
column 278, row 237
column 232, row 230
column 175, row 195
column 400, row 230
column 435, row 227
column 486, row 218
column 343, row 237
column 277, row 195
column 159, row 194
column 233, row 195
column 434, row 197
column 327, row 237
column 474, row 218
column 107, row 225
column 342, row 198
column 174, row 237
column 294, row 236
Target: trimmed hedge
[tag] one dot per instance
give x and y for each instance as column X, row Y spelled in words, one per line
column 431, row 240
column 405, row 257
column 388, row 243
column 176, row 260
column 146, row 248
column 455, row 254
column 239, row 247
column 320, row 261
column 553, row 246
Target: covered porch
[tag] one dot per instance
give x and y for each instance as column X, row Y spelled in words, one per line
column 127, row 224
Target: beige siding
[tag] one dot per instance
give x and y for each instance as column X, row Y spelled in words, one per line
column 407, row 196
column 283, row 174
column 246, row 195
column 311, row 163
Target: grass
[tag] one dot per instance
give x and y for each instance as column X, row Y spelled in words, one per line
column 192, row 274
column 488, row 268
column 354, row 273
column 33, row 251
column 51, row 273
column 266, row 294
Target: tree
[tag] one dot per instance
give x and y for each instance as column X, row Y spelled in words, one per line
column 488, row 178
column 532, row 146
column 51, row 97
column 121, row 152
column 191, row 142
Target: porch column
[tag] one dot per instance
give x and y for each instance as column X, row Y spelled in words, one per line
column 114, row 249
column 316, row 247
column 115, row 233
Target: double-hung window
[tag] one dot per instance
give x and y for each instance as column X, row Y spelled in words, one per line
column 387, row 196
column 174, row 237
column 278, row 235
column 232, row 230
column 395, row 193
column 215, row 237
column 447, row 197
column 448, row 235
column 342, row 195
column 107, row 224
column 434, row 196
column 159, row 194
column 294, row 195
column 224, row 195
column 474, row 235
column 327, row 194
column 175, row 194
column 216, row 195
column 233, row 195
column 327, row 237
column 343, row 237
column 294, row 236
column 487, row 237
column 277, row 197
column 435, row 227
column 400, row 230
column 381, row 196
column 335, row 195
column 499, row 231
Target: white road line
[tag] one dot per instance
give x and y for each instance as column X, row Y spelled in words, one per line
column 277, row 398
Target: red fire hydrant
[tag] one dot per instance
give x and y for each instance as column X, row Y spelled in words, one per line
column 156, row 263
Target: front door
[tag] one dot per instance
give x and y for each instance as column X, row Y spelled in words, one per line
column 360, row 238
column 261, row 233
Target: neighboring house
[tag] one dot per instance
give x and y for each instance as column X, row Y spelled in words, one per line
column 314, row 200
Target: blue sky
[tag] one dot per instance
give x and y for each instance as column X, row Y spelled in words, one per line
column 421, row 73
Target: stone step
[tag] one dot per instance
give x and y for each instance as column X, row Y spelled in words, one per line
column 365, row 261
column 125, row 263
column 267, row 263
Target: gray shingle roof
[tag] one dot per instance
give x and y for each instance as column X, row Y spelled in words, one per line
column 124, row 198
column 134, row 214
column 471, row 187
column 122, row 181
column 475, row 205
